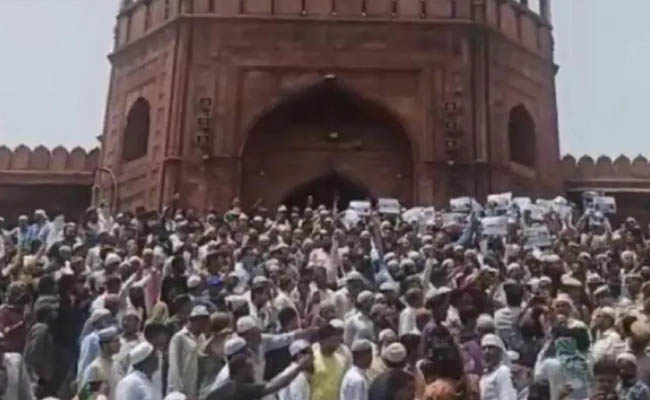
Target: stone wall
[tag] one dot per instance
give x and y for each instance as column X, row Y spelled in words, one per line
column 57, row 180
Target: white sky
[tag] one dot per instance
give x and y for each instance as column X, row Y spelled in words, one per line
column 54, row 73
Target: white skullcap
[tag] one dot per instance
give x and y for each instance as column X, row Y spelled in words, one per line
column 246, row 323
column 387, row 334
column 147, row 252
column 140, row 353
column 135, row 259
column 389, row 286
column 337, row 324
column 176, row 396
column 485, row 321
column 98, row 314
column 571, row 282
column 361, row 345
column 199, row 311
column 406, row 262
column 354, row 276
column 394, row 352
column 193, row 281
column 260, row 280
column 513, row 266
column 298, row 346
column 608, row 312
column 112, row 258
column 364, row 296
column 493, row 340
column 235, row 302
column 233, row 345
column 108, row 334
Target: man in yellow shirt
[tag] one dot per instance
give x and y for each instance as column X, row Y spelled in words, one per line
column 329, row 364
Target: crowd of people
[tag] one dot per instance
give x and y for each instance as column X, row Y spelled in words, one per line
column 311, row 303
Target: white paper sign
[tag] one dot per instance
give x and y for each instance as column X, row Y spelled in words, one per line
column 388, row 206
column 412, row 215
column 495, row 226
column 499, row 201
column 458, row 218
column 605, row 204
column 461, row 204
column 537, row 213
column 361, row 207
column 537, row 236
column 429, row 215
column 563, row 210
column 522, row 202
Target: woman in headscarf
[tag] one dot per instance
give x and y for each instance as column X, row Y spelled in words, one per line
column 496, row 382
column 566, row 368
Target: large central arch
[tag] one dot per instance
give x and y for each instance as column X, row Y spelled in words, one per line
column 328, row 135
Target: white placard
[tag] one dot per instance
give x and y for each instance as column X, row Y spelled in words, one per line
column 495, row 226
column 537, row 212
column 461, row 204
column 499, row 201
column 605, row 204
column 388, row 206
column 429, row 215
column 522, row 202
column 454, row 217
column 537, row 236
column 361, row 207
column 563, row 210
column 412, row 215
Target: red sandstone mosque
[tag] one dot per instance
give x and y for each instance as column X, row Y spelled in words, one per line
column 421, row 100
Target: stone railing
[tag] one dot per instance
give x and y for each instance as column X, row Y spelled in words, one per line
column 622, row 168
column 41, row 159
column 515, row 18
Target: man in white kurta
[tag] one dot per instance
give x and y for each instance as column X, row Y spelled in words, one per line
column 137, row 385
column 184, row 349
column 19, row 386
column 355, row 385
column 299, row 388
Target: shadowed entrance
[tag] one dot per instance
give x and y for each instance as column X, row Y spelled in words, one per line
column 324, row 190
column 333, row 139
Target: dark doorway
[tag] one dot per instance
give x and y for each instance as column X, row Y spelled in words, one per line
column 324, row 190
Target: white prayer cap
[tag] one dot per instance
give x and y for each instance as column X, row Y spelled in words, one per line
column 246, row 323
column 108, row 334
column 140, row 353
column 570, row 282
column 607, row 312
column 513, row 266
column 136, row 259
column 200, row 312
column 193, row 281
column 112, row 258
column 353, row 276
column 282, row 208
column 493, row 340
column 364, row 296
column 361, row 345
column 40, row 212
column 23, row 218
column 388, row 286
column 233, row 345
column 394, row 352
column 147, row 252
column 260, row 280
column 176, row 396
column 485, row 321
column 387, row 334
column 98, row 314
column 337, row 324
column 298, row 346
column 406, row 262
column 235, row 302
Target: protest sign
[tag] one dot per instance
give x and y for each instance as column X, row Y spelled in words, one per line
column 461, row 204
column 605, row 204
column 537, row 212
column 537, row 236
column 361, row 207
column 388, row 206
column 412, row 215
column 495, row 226
column 499, row 201
column 522, row 202
column 350, row 218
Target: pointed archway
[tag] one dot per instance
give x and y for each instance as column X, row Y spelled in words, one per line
column 325, row 189
column 326, row 136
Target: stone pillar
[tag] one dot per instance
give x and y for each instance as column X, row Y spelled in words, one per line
column 545, row 9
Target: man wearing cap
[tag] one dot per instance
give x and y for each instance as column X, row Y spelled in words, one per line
column 637, row 342
column 608, row 341
column 184, row 349
column 394, row 357
column 103, row 366
column 630, row 387
column 359, row 325
column 137, row 385
column 89, row 350
column 345, row 297
column 355, row 385
column 299, row 388
column 196, row 291
column 329, row 362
